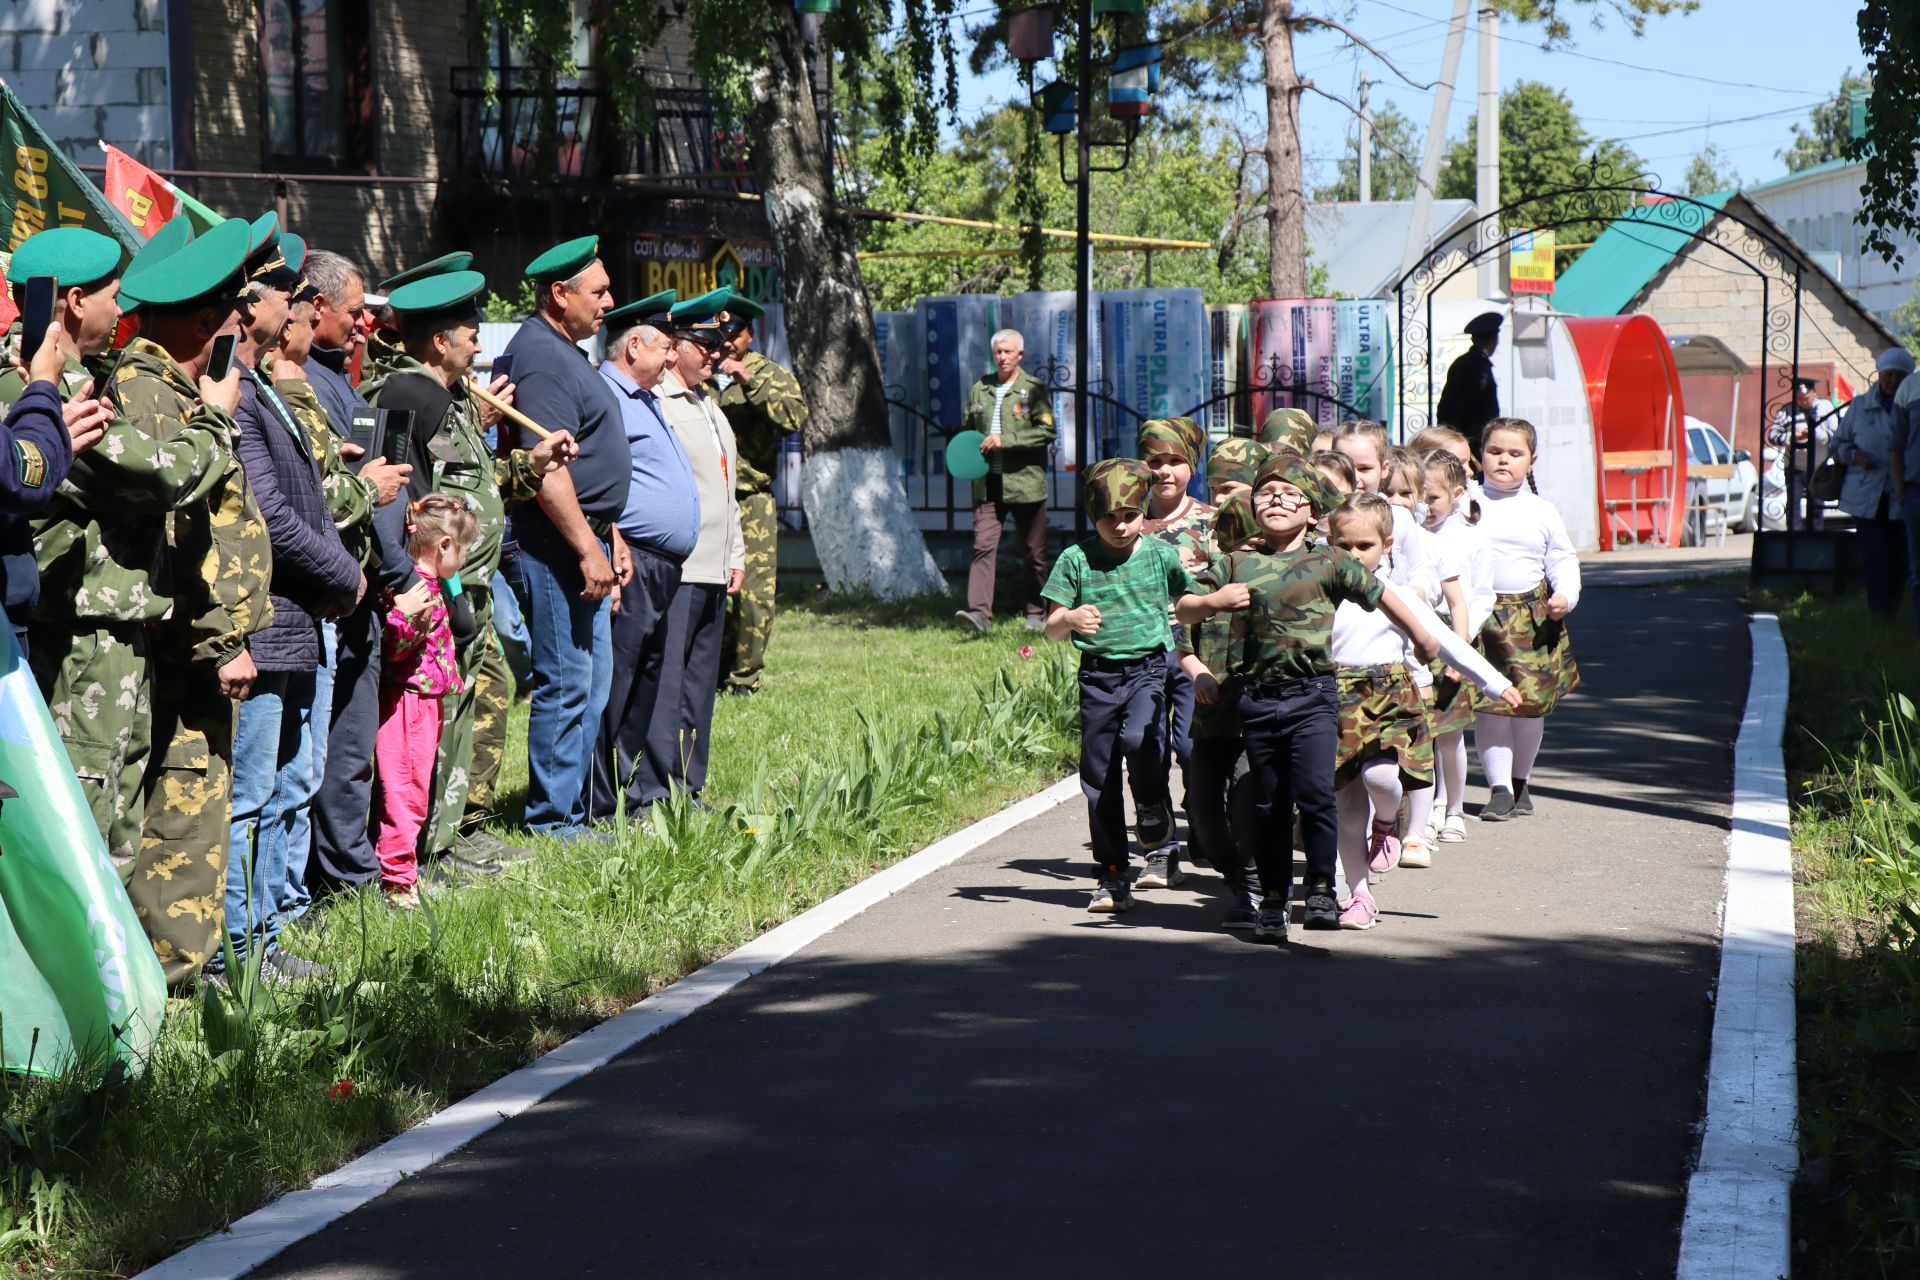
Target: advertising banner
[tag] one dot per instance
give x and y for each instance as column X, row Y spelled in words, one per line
column 1363, row 357
column 1045, row 320
column 1293, row 348
column 1153, row 357
column 956, row 330
column 1228, row 369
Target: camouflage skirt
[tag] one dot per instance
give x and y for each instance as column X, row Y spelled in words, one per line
column 1451, row 710
column 1381, row 713
column 1534, row 651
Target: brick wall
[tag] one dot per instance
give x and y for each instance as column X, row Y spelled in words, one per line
column 92, row 70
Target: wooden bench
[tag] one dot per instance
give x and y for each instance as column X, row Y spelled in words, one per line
column 1697, row 510
column 1634, row 463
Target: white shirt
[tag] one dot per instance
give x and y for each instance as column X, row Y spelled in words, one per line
column 1413, row 557
column 1527, row 541
column 1364, row 637
column 1463, row 555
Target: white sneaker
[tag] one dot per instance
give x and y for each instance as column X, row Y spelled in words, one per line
column 1416, row 853
column 1454, row 829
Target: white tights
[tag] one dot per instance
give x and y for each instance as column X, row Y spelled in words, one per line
column 1375, row 791
column 1508, row 746
column 1450, row 768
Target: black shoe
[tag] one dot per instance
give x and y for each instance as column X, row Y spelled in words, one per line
column 1241, row 913
column 1270, row 922
column 485, row 847
column 1112, row 897
column 1499, row 806
column 1162, row 870
column 1153, row 824
column 742, row 690
column 1323, row 909
column 293, row 967
column 452, row 869
column 968, row 620
column 1522, row 799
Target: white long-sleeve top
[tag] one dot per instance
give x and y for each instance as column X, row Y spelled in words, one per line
column 1527, row 541
column 1464, row 555
column 1413, row 562
column 1364, row 637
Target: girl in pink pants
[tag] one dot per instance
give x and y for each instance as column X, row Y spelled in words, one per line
column 419, row 668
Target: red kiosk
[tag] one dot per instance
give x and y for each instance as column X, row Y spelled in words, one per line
column 1633, row 388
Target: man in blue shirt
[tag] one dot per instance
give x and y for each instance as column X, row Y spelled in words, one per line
column 660, row 526
column 563, row 556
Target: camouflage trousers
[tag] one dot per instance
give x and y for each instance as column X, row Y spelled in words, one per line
column 743, row 644
column 178, row 880
column 473, row 736
column 98, row 687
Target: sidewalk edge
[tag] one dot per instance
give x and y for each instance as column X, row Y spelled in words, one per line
column 268, row 1231
column 1739, row 1199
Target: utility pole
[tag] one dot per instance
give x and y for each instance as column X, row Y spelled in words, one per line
column 1366, row 144
column 1418, row 229
column 1082, row 263
column 1486, row 191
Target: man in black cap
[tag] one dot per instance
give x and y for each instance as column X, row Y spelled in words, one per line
column 1471, row 398
column 1798, row 435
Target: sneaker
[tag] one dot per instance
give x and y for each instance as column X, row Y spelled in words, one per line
column 1416, row 852
column 402, row 897
column 1162, row 870
column 1361, row 913
column 1383, row 849
column 1242, row 915
column 293, row 967
column 1271, row 920
column 1153, row 824
column 1036, row 622
column 1111, row 898
column 967, row 620
column 1499, row 806
column 1522, row 801
column 1323, row 909
column 452, row 869
column 484, row 846
column 742, row 690
column 1454, row 829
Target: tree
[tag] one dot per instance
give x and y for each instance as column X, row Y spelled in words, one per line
column 1709, row 171
column 1890, row 198
column 1396, row 161
column 1828, row 129
column 1905, row 322
column 1544, row 147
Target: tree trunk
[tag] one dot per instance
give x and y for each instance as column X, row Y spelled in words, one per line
column 1286, row 200
column 857, row 510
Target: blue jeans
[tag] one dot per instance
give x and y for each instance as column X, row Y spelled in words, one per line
column 572, row 648
column 272, row 779
column 511, row 630
column 296, row 899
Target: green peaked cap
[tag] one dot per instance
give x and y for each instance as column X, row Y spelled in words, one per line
column 71, row 255
column 655, row 309
column 742, row 310
column 450, row 291
column 1114, row 483
column 264, row 228
column 446, row 262
column 568, row 258
column 209, row 267
column 699, row 318
column 174, row 233
column 294, row 249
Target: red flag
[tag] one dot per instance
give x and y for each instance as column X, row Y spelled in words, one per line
column 144, row 196
column 1842, row 389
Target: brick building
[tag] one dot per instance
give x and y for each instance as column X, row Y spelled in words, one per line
column 369, row 124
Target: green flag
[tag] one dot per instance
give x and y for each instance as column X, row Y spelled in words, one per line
column 42, row 188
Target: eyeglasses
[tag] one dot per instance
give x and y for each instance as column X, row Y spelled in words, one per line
column 1277, row 498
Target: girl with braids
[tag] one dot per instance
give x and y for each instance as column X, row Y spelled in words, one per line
column 1536, row 581
column 418, row 670
column 1453, row 517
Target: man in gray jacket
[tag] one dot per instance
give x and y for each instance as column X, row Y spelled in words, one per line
column 680, row 727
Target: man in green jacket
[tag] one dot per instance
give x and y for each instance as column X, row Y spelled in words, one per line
column 1014, row 411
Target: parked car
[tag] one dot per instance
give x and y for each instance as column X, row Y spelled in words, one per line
column 1738, row 497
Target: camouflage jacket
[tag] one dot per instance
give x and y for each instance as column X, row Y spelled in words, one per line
column 1286, row 633
column 1211, row 641
column 350, row 500
column 761, row 411
column 463, row 466
column 1026, row 434
column 102, row 545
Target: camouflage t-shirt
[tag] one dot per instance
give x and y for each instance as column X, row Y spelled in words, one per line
column 1190, row 532
column 1132, row 593
column 1286, row 633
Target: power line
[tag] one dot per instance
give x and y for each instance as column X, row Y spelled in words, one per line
column 1713, row 124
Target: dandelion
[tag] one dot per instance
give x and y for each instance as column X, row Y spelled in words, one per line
column 340, row 1090
column 1026, row 651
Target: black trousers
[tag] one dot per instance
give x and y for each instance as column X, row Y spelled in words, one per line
column 1219, row 803
column 620, row 757
column 677, row 735
column 1292, row 733
column 1179, row 711
column 342, row 849
column 1123, row 721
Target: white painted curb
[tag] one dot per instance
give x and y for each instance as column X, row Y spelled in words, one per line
column 1739, row 1198
column 268, row 1231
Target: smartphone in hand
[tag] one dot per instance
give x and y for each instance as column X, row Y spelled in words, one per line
column 36, row 315
column 221, row 361
column 502, row 368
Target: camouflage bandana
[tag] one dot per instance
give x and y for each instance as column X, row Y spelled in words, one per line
column 1163, row 435
column 1115, row 483
column 1233, row 524
column 1300, row 473
column 1292, row 428
column 1235, row 459
column 1196, row 437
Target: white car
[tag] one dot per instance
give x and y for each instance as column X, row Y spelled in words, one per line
column 1737, row 498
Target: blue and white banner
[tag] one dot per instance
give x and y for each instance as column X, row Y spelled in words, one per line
column 956, row 336
column 1153, row 356
column 1045, row 320
column 1227, row 370
column 1363, row 357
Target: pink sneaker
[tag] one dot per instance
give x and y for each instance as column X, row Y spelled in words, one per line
column 1361, row 912
column 1383, row 849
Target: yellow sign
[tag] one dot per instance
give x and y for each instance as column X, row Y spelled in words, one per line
column 687, row 267
column 1530, row 262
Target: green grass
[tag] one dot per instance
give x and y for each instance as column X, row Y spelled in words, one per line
column 881, row 729
column 1854, row 773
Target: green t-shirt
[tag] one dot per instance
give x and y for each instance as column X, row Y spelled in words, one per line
column 1132, row 594
column 1286, row 632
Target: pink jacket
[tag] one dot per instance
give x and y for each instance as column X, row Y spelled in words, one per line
column 419, row 651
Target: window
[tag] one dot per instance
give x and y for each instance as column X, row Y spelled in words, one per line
column 316, row 75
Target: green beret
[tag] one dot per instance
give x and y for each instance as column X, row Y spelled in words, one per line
column 1302, row 475
column 655, row 309
column 74, row 256
column 1233, row 523
column 451, row 293
column 294, row 249
column 699, row 318
column 1158, row 435
column 564, row 261
column 1114, row 483
column 446, row 262
column 208, row 268
column 1291, row 428
column 1236, row 460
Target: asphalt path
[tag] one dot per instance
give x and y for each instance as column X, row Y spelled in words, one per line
column 976, row 1078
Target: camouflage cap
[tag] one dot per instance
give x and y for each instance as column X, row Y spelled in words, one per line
column 1294, row 428
column 1161, row 435
column 1233, row 523
column 1235, row 459
column 1115, row 483
column 1300, row 473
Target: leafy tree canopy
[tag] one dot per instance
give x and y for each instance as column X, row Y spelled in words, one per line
column 1396, row 161
column 1890, row 205
column 1709, row 171
column 1828, row 129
